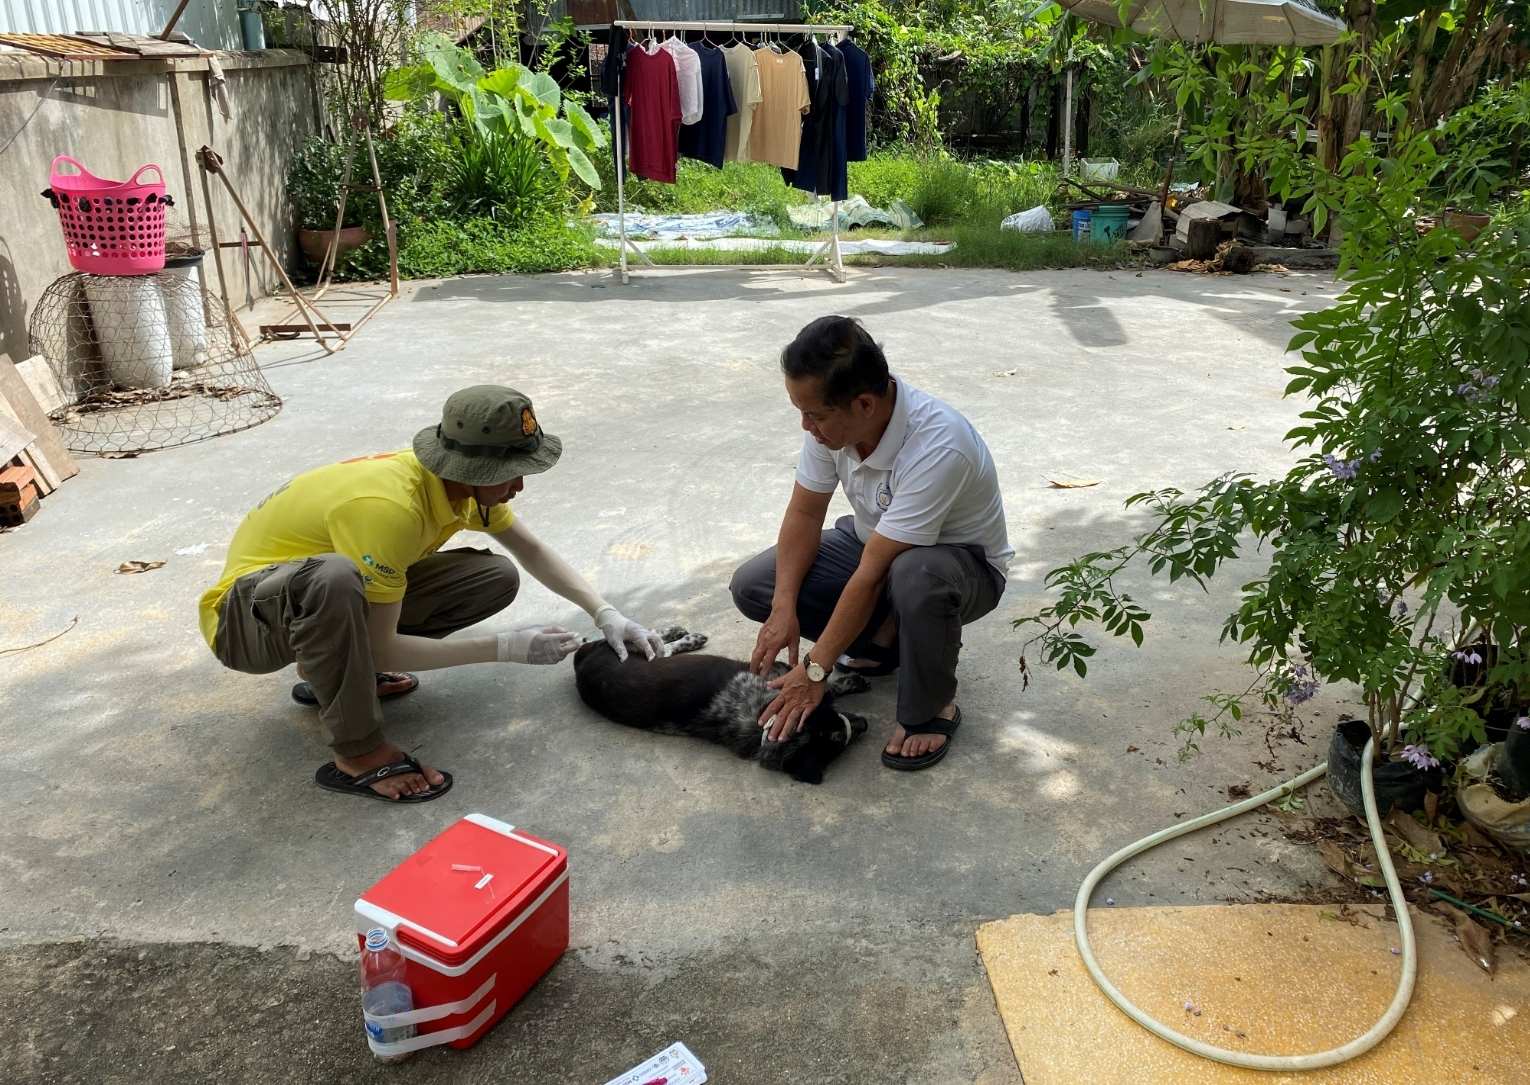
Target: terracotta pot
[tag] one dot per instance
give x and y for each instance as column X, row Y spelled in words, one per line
column 315, row 243
column 1466, row 223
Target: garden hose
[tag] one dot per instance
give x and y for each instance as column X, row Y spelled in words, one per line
column 1360, row 1044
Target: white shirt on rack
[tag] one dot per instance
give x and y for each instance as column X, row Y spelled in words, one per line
column 688, row 70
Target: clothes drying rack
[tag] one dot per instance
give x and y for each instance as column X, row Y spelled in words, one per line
column 828, row 255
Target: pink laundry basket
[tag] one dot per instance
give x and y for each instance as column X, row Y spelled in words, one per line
column 110, row 227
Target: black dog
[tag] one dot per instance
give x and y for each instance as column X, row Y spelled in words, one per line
column 710, row 697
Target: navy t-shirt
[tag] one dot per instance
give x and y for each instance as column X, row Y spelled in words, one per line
column 861, row 86
column 706, row 139
column 821, row 167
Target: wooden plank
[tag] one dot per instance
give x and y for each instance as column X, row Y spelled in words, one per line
column 12, row 439
column 64, row 47
column 143, row 45
column 17, row 401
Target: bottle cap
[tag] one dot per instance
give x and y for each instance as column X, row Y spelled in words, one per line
column 377, row 939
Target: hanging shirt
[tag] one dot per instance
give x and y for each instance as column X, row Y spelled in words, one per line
column 651, row 91
column 611, row 75
column 744, row 78
column 776, row 135
column 861, row 87
column 707, row 138
column 688, row 70
column 822, row 167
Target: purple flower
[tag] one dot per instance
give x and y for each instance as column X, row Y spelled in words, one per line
column 1303, row 685
column 1477, row 389
column 1467, row 655
column 1374, row 456
column 1344, row 469
column 1402, row 609
column 1419, row 757
column 1523, row 723
column 1427, row 877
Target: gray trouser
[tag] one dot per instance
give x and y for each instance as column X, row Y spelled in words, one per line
column 931, row 591
column 313, row 612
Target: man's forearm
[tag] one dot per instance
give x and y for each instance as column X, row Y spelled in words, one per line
column 404, row 653
column 856, row 604
column 557, row 575
column 796, row 548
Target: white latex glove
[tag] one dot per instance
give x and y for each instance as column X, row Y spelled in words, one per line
column 540, row 644
column 621, row 631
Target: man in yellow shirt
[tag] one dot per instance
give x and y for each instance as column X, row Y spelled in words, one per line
column 341, row 572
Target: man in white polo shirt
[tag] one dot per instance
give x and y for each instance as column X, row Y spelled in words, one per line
column 888, row 589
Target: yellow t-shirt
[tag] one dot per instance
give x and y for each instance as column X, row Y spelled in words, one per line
column 775, row 131
column 384, row 512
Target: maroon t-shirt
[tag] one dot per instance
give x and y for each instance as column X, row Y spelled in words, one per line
column 652, row 90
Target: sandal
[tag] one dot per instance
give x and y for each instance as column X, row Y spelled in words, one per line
column 938, row 726
column 331, row 778
column 303, row 693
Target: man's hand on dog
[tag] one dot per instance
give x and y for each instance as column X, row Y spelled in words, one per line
column 779, row 631
column 798, row 697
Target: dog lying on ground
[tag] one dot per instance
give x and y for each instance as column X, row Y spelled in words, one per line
column 714, row 698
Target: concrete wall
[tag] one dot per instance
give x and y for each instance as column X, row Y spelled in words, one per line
column 116, row 116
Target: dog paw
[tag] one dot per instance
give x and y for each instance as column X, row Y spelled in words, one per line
column 686, row 642
column 843, row 684
column 673, row 633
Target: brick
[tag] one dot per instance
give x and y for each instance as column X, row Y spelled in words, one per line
column 14, row 479
column 16, row 515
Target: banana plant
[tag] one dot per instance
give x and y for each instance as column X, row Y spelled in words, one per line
column 511, row 102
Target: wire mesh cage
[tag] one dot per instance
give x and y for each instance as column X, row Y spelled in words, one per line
column 146, row 362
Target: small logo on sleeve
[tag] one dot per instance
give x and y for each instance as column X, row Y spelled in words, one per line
column 884, row 496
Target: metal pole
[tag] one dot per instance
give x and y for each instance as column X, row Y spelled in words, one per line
column 1068, row 122
column 621, row 168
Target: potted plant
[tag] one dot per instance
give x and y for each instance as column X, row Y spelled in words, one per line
column 1400, row 541
column 313, row 186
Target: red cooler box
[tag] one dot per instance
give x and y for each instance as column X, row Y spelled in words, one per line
column 480, row 914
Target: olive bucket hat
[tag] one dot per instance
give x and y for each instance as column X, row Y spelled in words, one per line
column 488, row 435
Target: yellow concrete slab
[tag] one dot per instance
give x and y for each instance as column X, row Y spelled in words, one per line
column 1273, row 979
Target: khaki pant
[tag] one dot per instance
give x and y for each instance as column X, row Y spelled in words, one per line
column 313, row 612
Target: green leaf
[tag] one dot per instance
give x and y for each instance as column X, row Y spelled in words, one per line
column 1385, row 505
column 583, row 167
column 1080, row 666
column 409, row 84
column 562, row 132
column 503, row 81
column 584, row 124
column 545, row 88
column 456, row 69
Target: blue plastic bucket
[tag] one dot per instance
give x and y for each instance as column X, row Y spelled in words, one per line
column 1080, row 225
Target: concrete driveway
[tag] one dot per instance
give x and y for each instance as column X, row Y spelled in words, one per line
column 176, row 893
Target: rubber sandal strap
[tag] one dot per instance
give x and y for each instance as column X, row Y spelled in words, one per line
column 331, row 778
column 937, row 726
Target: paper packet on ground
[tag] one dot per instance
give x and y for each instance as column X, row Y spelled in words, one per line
column 1038, row 220
column 675, row 1063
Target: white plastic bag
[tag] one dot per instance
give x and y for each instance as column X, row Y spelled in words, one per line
column 1038, row 220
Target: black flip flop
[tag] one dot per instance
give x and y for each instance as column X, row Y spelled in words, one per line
column 303, row 693
column 937, row 726
column 331, row 778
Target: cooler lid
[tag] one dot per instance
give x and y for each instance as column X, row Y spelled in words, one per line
column 464, row 885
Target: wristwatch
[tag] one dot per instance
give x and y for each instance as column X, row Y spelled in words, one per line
column 814, row 671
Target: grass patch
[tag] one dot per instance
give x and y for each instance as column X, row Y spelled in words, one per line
column 994, row 248
column 440, row 248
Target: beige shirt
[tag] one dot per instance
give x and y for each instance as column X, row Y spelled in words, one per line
column 776, row 133
column 744, row 75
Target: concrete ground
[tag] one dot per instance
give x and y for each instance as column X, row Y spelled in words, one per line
column 176, row 893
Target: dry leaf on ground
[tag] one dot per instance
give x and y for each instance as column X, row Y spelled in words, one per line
column 1476, row 942
column 1072, row 484
column 1421, row 839
column 140, row 566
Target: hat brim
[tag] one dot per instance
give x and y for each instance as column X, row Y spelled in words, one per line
column 483, row 470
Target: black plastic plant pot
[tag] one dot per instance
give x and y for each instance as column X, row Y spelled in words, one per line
column 1397, row 782
column 1514, row 762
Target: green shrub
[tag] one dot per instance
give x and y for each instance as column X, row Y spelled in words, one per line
column 885, row 177
column 502, row 177
column 433, row 250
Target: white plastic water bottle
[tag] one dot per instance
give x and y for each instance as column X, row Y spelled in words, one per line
column 385, row 990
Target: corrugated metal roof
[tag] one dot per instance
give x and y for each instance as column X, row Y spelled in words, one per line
column 212, row 24
column 602, row 12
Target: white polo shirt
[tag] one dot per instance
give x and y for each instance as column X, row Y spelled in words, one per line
column 930, row 480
